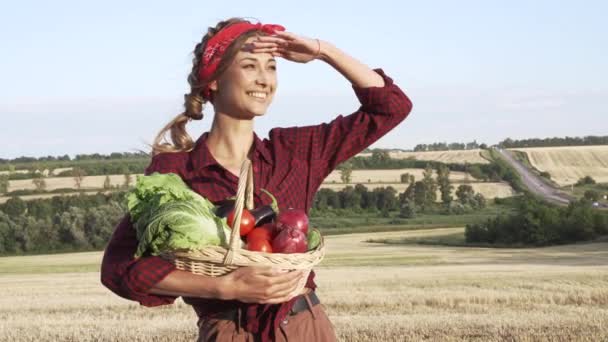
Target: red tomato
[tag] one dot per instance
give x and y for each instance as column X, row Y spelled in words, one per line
column 264, row 232
column 247, row 221
column 259, row 245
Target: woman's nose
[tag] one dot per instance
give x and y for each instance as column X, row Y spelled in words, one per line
column 262, row 78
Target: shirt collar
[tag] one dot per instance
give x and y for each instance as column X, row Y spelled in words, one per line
column 201, row 156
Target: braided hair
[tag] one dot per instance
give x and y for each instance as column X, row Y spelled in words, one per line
column 194, row 101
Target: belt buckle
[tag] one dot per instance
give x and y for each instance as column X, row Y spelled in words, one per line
column 300, row 301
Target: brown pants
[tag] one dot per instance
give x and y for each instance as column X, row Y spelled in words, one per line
column 306, row 326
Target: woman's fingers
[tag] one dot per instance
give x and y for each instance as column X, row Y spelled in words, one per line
column 270, row 39
column 264, row 50
column 286, row 35
column 283, row 292
column 265, row 44
column 281, row 279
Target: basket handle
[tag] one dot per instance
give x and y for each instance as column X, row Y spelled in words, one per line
column 244, row 198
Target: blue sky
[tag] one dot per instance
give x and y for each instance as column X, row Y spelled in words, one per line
column 84, row 77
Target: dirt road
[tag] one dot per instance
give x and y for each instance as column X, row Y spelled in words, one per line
column 534, row 183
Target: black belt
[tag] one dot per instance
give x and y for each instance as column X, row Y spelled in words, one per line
column 299, row 306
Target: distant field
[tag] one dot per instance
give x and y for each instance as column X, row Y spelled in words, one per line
column 372, row 292
column 488, row 190
column 457, row 157
column 44, row 172
column 88, row 182
column 370, row 178
column 388, row 176
column 3, row 199
column 358, row 176
column 568, row 164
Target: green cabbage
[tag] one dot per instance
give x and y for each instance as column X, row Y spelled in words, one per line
column 167, row 215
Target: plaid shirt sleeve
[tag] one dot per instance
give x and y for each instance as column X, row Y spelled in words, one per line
column 132, row 278
column 327, row 145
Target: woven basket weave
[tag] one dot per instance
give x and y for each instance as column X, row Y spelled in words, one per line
column 216, row 261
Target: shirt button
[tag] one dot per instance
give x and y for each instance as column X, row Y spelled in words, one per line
column 255, row 169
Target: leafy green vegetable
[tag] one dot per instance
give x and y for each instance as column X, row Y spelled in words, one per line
column 168, row 215
column 182, row 225
column 314, row 238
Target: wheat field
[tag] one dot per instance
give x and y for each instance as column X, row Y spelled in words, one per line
column 568, row 164
column 458, row 157
column 373, row 292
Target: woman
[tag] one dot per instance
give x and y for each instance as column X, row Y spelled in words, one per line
column 234, row 69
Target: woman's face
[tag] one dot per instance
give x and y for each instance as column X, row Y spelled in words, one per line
column 246, row 88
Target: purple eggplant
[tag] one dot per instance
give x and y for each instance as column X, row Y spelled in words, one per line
column 262, row 215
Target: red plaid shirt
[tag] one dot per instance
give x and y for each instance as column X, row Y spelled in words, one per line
column 291, row 164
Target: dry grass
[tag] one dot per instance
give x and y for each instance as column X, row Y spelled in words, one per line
column 412, row 293
column 488, row 190
column 568, row 164
column 459, row 157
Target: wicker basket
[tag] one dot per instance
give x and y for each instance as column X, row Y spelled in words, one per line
column 216, row 261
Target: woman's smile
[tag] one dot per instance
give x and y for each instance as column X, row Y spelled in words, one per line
column 258, row 95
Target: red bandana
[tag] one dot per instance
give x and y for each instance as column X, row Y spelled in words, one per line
column 217, row 45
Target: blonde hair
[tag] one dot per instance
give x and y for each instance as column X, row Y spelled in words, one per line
column 194, row 101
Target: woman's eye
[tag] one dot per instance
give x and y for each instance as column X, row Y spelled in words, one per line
column 249, row 66
column 273, row 67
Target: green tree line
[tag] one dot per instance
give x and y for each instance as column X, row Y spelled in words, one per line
column 556, row 141
column 99, row 168
column 442, row 146
column 62, row 223
column 538, row 223
column 78, row 157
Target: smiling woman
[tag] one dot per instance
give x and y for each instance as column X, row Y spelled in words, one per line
column 234, row 69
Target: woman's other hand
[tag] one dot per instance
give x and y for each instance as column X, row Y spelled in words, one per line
column 289, row 46
column 260, row 285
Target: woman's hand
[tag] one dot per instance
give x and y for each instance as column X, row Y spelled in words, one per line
column 260, row 285
column 289, row 46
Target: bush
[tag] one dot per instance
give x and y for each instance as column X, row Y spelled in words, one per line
column 14, row 207
column 476, row 233
column 587, row 180
column 545, row 174
column 407, row 210
column 457, row 208
column 592, row 195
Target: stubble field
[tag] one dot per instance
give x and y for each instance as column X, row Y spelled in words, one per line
column 373, row 292
column 455, row 156
column 567, row 164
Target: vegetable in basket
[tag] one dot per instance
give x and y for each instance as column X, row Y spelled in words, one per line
column 259, row 216
column 167, row 215
column 290, row 240
column 314, row 238
column 259, row 239
column 292, row 218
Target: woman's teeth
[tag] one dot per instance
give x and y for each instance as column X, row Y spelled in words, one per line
column 257, row 95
